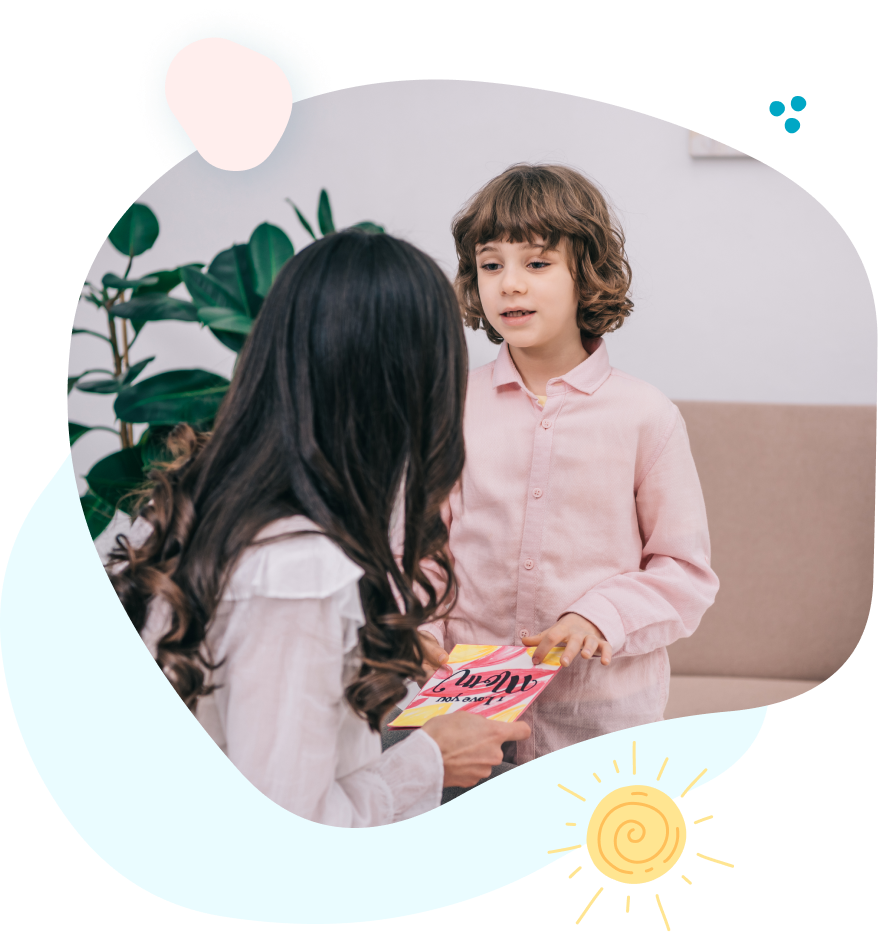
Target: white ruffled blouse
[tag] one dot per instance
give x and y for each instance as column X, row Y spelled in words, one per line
column 286, row 628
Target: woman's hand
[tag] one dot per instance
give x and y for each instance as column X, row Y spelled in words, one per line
column 434, row 655
column 580, row 636
column 470, row 745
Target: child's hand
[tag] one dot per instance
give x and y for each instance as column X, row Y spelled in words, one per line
column 580, row 636
column 434, row 655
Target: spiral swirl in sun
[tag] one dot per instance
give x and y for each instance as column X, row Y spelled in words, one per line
column 636, row 834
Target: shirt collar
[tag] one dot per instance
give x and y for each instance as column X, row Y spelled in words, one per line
column 587, row 377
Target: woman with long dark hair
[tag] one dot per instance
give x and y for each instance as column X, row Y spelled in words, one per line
column 268, row 589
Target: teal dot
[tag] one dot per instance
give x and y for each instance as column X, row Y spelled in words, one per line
column 792, row 125
column 798, row 103
column 776, row 108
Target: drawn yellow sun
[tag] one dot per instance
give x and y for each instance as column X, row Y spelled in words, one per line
column 636, row 834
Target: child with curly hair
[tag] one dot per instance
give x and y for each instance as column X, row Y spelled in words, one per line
column 579, row 517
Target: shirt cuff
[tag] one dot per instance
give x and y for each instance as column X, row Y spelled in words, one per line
column 414, row 771
column 601, row 612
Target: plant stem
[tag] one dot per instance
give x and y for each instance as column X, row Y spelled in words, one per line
column 111, row 324
column 120, row 359
column 125, row 344
column 117, row 359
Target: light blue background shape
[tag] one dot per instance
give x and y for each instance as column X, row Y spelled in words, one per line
column 150, row 792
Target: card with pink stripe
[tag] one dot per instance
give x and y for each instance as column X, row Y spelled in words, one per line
column 497, row 682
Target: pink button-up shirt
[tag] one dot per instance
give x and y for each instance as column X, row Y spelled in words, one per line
column 590, row 504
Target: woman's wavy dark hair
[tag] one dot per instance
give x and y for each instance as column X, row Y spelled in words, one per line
column 551, row 202
column 349, row 389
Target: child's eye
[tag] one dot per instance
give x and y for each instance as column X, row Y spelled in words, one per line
column 491, row 266
column 539, row 264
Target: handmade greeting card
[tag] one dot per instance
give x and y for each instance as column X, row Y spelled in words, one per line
column 491, row 681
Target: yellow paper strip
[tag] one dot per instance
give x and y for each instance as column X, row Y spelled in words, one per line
column 667, row 925
column 587, row 908
column 703, row 772
column 715, row 860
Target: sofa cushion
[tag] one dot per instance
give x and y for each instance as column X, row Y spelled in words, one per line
column 790, row 496
column 698, row 695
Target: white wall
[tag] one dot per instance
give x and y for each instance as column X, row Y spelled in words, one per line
column 745, row 288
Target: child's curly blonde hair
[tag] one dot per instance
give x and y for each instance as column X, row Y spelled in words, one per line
column 551, row 202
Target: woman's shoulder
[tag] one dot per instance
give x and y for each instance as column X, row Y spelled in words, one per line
column 291, row 558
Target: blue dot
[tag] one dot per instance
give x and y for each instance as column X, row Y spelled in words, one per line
column 798, row 103
column 776, row 108
column 792, row 125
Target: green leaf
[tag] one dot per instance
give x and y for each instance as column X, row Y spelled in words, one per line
column 233, row 341
column 269, row 249
column 368, row 227
column 207, row 291
column 76, row 431
column 139, row 310
column 233, row 269
column 100, row 386
column 93, row 333
column 80, row 430
column 218, row 318
column 122, row 284
column 166, row 279
column 190, row 395
column 98, row 513
column 136, row 231
column 73, row 379
column 324, row 214
column 135, row 370
column 116, row 476
column 302, row 219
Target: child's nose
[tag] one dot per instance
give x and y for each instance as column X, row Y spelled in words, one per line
column 513, row 282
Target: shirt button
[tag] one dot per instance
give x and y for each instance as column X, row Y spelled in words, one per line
column 523, row 633
column 545, row 424
column 538, row 493
column 528, row 564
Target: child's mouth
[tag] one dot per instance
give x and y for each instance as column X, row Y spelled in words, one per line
column 517, row 315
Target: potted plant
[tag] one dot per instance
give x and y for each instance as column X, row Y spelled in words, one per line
column 225, row 297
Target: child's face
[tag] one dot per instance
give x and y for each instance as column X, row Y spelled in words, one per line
column 529, row 296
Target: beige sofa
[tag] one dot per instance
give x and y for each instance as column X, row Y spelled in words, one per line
column 790, row 495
